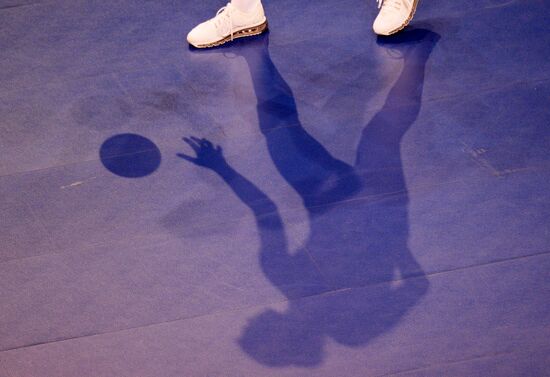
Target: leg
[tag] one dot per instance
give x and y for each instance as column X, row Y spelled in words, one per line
column 304, row 163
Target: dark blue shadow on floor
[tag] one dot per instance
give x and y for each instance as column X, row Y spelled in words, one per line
column 353, row 243
column 130, row 156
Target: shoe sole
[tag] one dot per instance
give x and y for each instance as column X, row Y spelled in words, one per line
column 247, row 32
column 406, row 23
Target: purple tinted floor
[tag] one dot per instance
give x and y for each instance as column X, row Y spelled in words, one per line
column 486, row 320
column 380, row 206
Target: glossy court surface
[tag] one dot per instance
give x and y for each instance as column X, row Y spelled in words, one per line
column 312, row 202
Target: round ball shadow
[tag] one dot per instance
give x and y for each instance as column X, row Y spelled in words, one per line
column 130, row 156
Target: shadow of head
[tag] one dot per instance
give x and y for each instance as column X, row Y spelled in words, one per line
column 279, row 340
column 352, row 318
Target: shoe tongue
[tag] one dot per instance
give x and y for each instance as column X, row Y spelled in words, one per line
column 393, row 5
column 245, row 6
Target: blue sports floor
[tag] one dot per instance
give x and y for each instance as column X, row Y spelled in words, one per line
column 312, row 202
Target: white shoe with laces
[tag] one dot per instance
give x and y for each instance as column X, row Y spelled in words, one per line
column 394, row 16
column 228, row 24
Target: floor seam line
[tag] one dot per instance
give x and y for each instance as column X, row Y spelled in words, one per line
column 239, row 309
column 430, row 366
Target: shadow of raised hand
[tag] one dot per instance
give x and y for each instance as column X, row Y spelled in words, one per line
column 207, row 155
column 210, row 156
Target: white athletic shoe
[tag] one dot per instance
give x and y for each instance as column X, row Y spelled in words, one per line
column 230, row 23
column 394, row 16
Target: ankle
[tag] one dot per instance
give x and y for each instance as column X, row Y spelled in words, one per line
column 245, row 6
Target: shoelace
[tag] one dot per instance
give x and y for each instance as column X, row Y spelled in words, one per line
column 221, row 22
column 395, row 4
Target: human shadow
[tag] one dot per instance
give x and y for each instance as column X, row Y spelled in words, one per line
column 357, row 214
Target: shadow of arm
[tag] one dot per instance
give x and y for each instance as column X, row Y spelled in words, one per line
column 294, row 275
